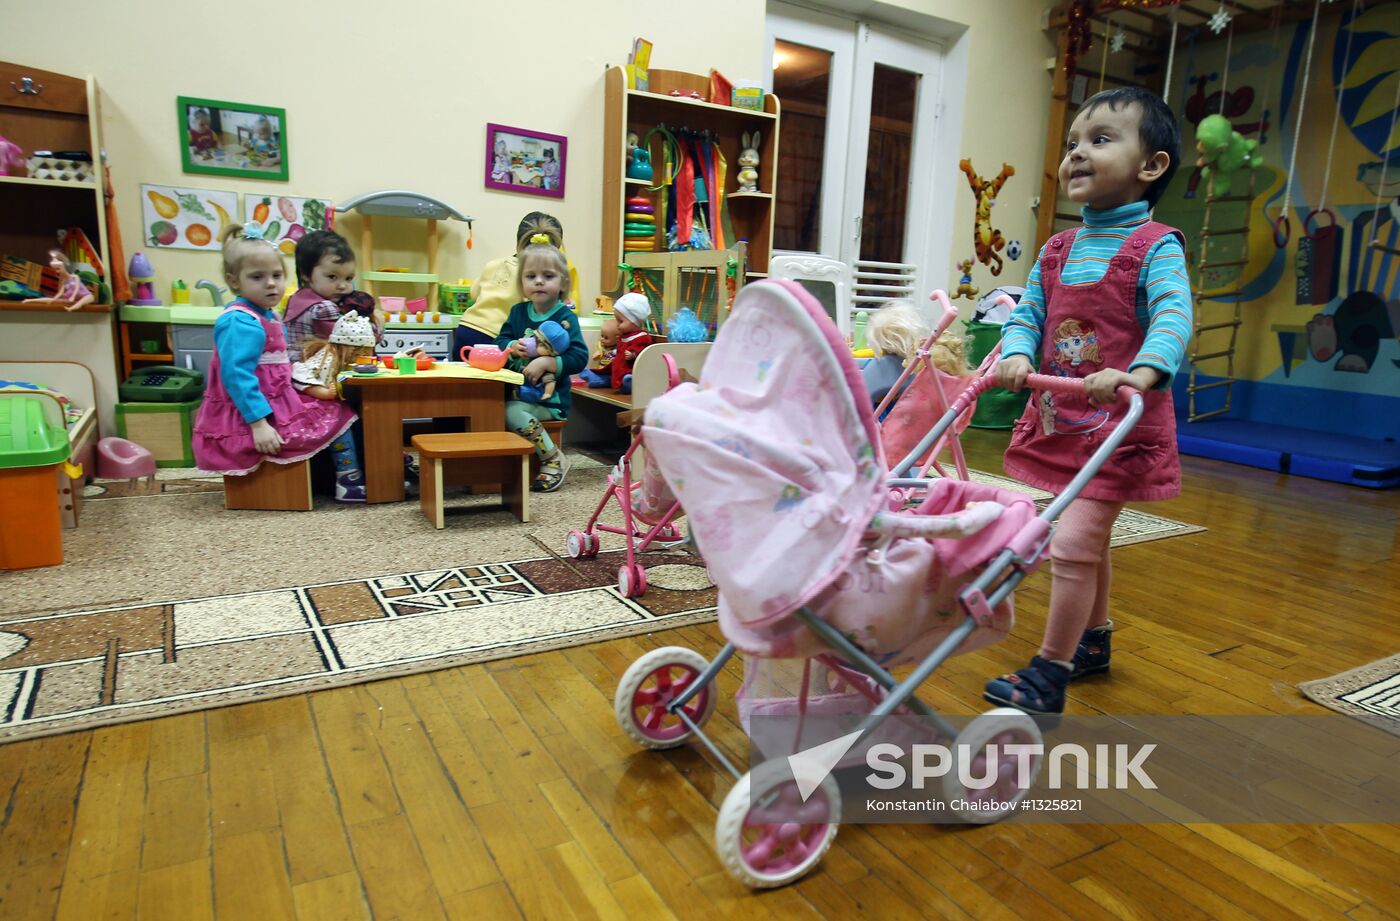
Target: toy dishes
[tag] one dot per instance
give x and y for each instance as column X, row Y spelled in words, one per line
column 424, row 362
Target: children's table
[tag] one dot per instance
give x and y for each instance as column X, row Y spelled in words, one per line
column 449, row 390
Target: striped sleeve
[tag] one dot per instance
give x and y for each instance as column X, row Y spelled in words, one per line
column 1168, row 295
column 1021, row 334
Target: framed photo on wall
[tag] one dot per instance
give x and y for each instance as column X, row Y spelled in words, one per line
column 519, row 160
column 232, row 139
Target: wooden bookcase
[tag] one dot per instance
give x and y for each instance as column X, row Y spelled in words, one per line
column 61, row 113
column 624, row 111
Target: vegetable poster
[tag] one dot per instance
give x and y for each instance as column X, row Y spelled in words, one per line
column 286, row 218
column 185, row 218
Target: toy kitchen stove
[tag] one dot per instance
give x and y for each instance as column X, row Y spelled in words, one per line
column 419, row 329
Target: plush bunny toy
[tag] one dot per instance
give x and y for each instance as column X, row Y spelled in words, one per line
column 748, row 163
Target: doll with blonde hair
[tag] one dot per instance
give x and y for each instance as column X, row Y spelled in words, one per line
column 896, row 332
column 352, row 337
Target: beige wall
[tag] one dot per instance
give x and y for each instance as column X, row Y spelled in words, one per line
column 378, row 96
column 996, row 52
column 397, row 96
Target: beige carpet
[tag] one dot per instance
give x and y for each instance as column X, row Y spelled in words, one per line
column 169, row 602
column 1370, row 693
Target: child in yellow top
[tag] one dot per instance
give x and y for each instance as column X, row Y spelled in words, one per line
column 498, row 288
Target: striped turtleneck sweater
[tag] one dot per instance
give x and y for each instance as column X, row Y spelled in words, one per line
column 1163, row 292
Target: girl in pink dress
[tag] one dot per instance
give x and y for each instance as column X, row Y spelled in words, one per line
column 1109, row 304
column 251, row 412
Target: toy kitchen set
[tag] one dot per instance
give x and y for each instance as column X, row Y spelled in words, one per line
column 181, row 334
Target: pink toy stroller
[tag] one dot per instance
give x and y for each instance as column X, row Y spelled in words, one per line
column 648, row 507
column 775, row 456
column 926, row 399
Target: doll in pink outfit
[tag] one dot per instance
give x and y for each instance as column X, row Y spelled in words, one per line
column 72, row 293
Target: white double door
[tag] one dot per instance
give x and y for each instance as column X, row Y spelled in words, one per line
column 870, row 196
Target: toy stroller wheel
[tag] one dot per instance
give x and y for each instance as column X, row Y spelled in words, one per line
column 631, row 580
column 582, row 545
column 650, row 684
column 766, row 835
column 576, row 545
column 1000, row 727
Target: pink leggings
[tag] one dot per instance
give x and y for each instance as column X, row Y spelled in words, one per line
column 1079, row 562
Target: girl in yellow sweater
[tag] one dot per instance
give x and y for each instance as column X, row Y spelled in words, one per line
column 498, row 288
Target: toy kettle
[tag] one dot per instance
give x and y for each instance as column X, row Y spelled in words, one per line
column 484, row 357
column 639, row 167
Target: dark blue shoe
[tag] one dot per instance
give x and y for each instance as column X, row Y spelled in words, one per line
column 1091, row 658
column 1037, row 689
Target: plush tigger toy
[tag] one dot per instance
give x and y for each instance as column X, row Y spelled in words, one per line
column 987, row 241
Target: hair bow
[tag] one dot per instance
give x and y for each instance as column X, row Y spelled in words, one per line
column 540, row 238
column 253, row 231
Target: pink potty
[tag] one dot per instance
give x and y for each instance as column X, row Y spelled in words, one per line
column 119, row 459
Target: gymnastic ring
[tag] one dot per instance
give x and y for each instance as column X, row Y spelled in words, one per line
column 1282, row 231
column 1316, row 233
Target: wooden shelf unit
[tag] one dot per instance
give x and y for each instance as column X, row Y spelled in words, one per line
column 634, row 111
column 62, row 115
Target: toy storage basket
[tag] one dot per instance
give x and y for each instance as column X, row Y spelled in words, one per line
column 62, row 170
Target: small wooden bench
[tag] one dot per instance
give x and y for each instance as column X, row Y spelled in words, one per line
column 475, row 459
column 272, row 487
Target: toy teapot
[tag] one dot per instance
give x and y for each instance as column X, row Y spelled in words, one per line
column 484, row 357
column 640, row 165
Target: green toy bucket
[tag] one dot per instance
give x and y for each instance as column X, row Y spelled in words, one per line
column 997, row 408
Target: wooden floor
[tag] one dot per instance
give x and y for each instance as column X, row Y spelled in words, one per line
column 507, row 790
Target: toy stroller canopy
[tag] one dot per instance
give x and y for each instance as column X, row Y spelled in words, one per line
column 774, row 454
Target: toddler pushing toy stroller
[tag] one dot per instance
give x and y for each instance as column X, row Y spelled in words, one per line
column 775, row 456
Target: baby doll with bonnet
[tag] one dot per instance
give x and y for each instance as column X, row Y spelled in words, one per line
column 631, row 311
column 352, row 337
column 599, row 370
column 549, row 340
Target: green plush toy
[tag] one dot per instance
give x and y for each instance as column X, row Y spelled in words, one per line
column 1223, row 151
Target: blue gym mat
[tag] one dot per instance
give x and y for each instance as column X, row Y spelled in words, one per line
column 1305, row 452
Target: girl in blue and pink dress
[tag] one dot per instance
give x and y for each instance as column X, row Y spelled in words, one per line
column 251, row 412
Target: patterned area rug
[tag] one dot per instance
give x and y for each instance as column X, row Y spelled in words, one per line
column 1132, row 526
column 88, row 668
column 1370, row 693
column 133, row 656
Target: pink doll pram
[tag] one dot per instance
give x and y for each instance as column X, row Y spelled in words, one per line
column 776, row 459
column 649, row 509
column 921, row 404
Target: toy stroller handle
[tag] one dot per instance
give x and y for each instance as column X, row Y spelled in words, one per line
column 947, row 315
column 1054, row 384
column 1045, row 382
column 673, row 372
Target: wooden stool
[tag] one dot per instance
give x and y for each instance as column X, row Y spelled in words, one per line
column 556, row 434
column 476, row 459
column 272, row 487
